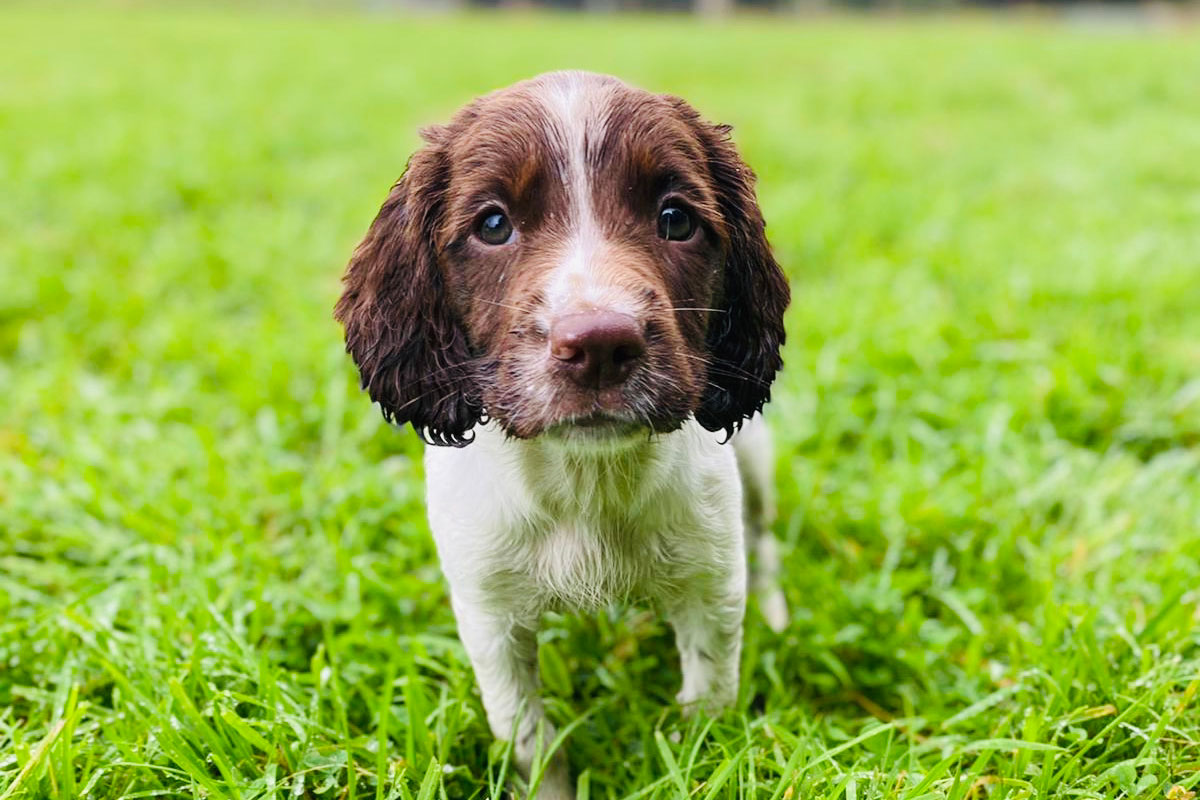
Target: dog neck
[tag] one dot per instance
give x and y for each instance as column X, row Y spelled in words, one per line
column 596, row 478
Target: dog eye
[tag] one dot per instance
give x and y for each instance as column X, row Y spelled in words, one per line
column 675, row 224
column 494, row 228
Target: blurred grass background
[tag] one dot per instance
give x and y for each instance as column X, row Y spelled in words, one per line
column 215, row 575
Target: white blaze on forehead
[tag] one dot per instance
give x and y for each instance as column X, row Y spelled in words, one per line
column 571, row 103
column 575, row 103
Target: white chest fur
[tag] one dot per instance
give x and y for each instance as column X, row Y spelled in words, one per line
column 527, row 526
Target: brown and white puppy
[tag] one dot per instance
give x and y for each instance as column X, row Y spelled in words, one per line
column 572, row 278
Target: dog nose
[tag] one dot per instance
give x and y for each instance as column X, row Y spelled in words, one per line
column 598, row 349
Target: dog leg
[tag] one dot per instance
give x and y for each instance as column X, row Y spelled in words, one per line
column 756, row 463
column 708, row 632
column 503, row 653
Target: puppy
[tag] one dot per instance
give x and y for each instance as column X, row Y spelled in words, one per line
column 570, row 286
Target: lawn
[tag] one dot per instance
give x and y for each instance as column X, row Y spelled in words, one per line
column 216, row 579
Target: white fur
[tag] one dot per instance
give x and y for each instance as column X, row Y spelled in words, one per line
column 525, row 526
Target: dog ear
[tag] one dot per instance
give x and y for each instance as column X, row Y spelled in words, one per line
column 744, row 341
column 411, row 350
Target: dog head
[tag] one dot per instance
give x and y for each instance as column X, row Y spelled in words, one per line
column 570, row 257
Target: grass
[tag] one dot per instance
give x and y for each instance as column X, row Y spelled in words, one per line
column 215, row 575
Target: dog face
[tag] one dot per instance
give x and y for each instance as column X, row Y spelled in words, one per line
column 570, row 257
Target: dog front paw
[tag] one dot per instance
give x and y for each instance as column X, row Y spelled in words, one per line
column 556, row 781
column 711, row 702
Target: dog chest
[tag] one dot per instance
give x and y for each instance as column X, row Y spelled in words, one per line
column 576, row 565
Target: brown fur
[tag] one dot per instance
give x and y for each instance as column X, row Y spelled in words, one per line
column 447, row 330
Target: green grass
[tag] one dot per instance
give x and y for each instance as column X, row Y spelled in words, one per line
column 215, row 576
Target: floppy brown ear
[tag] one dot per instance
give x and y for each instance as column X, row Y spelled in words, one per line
column 411, row 351
column 744, row 341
